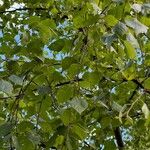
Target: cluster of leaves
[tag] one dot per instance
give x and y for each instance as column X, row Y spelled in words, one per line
column 74, row 73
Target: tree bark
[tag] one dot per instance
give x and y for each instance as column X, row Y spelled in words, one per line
column 118, row 137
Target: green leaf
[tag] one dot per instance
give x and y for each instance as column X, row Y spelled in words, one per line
column 79, row 104
column 34, row 137
column 86, row 16
column 147, row 84
column 22, row 143
column 25, row 126
column 130, row 72
column 68, row 117
column 45, row 27
column 6, row 87
column 110, row 144
column 66, row 62
column 80, row 131
column 57, row 45
column 147, row 60
column 34, row 20
column 16, row 79
column 120, row 29
column 130, row 50
column 46, row 46
column 43, row 89
column 73, row 70
column 5, row 129
column 34, row 48
column 49, row 23
column 64, row 94
column 92, row 78
column 145, row 20
column 116, row 106
column 68, row 143
column 56, row 76
column 111, row 20
column 129, row 121
column 59, row 140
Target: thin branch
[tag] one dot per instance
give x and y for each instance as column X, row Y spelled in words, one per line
column 140, row 85
column 38, row 114
column 138, row 99
column 147, row 36
column 22, row 9
column 5, row 98
column 25, row 88
column 88, row 145
column 54, row 100
column 68, row 82
column 106, row 8
column 133, row 94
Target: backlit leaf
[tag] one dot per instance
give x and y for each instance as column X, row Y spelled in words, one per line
column 146, row 111
column 79, row 104
column 130, row 50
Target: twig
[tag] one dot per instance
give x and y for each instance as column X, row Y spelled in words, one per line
column 54, row 100
column 22, row 9
column 138, row 99
column 68, row 82
column 38, row 114
column 88, row 145
column 105, row 8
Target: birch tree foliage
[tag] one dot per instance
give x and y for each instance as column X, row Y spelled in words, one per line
column 74, row 74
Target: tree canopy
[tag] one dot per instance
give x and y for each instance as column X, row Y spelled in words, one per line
column 74, row 74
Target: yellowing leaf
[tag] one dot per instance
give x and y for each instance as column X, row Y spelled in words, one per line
column 59, row 140
column 130, row 72
column 146, row 111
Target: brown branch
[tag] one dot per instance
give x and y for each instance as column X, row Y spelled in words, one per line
column 88, row 145
column 68, row 82
column 141, row 86
column 119, row 139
